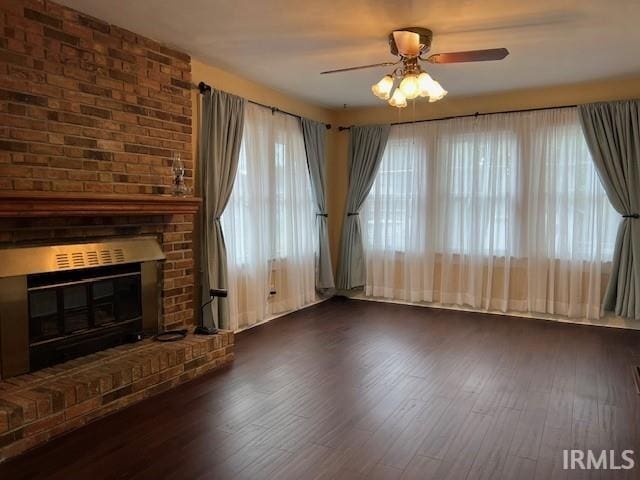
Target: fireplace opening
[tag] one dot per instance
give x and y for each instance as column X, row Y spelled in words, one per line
column 60, row 302
column 79, row 312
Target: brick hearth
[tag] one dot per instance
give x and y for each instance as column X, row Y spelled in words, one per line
column 37, row 407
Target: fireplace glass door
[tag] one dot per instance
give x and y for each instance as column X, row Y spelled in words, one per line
column 75, row 312
column 79, row 312
column 102, row 294
column 43, row 314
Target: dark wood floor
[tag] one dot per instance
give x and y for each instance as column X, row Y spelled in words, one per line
column 362, row 390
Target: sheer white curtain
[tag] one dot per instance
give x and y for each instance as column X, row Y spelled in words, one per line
column 501, row 212
column 269, row 222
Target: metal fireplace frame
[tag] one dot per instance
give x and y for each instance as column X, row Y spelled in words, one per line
column 17, row 263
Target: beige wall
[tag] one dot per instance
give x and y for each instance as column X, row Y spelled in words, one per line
column 337, row 184
column 614, row 89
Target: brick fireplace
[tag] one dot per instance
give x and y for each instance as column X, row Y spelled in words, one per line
column 90, row 109
column 90, row 117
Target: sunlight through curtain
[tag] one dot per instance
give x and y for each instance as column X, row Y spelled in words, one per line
column 269, row 223
column 501, row 212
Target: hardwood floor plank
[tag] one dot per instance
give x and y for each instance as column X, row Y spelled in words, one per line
column 384, row 472
column 405, row 446
column 421, row 468
column 494, row 449
column 364, row 458
column 550, row 460
column 518, row 468
column 463, row 449
column 303, row 464
column 437, row 442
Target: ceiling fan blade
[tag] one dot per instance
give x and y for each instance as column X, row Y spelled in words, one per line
column 362, row 67
column 470, row 56
column 407, row 42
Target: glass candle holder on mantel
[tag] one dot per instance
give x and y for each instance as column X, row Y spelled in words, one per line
column 177, row 166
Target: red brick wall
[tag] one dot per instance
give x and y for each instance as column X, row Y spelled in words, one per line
column 90, row 107
column 87, row 106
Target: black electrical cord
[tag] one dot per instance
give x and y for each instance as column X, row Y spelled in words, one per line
column 171, row 335
column 175, row 335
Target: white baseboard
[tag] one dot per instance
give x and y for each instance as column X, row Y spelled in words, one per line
column 282, row 314
column 612, row 321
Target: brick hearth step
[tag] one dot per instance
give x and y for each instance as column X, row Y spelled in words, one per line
column 42, row 405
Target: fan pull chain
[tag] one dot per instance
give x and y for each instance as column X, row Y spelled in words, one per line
column 413, row 127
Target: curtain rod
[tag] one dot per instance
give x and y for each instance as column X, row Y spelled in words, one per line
column 477, row 114
column 203, row 87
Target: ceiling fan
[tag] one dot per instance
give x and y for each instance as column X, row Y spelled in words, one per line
column 411, row 44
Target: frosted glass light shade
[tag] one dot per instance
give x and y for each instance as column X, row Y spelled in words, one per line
column 398, row 99
column 430, row 88
column 425, row 84
column 438, row 92
column 382, row 89
column 410, row 87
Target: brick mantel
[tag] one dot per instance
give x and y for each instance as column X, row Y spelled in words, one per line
column 39, row 204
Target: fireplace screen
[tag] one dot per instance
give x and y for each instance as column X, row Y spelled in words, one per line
column 78, row 312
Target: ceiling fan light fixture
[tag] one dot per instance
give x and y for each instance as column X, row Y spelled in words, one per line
column 411, row 45
column 382, row 89
column 430, row 88
column 407, row 42
column 437, row 93
column 398, row 99
column 426, row 84
column 410, row 87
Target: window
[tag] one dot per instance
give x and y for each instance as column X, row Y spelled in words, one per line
column 391, row 194
column 479, row 181
column 502, row 211
column 269, row 222
column 476, row 172
column 573, row 197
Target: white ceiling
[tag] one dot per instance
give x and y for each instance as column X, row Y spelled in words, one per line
column 285, row 44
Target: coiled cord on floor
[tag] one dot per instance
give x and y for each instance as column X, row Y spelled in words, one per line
column 171, row 335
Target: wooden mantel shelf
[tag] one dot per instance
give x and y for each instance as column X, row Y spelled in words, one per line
column 47, row 204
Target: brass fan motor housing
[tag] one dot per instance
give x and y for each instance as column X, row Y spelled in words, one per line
column 426, row 36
